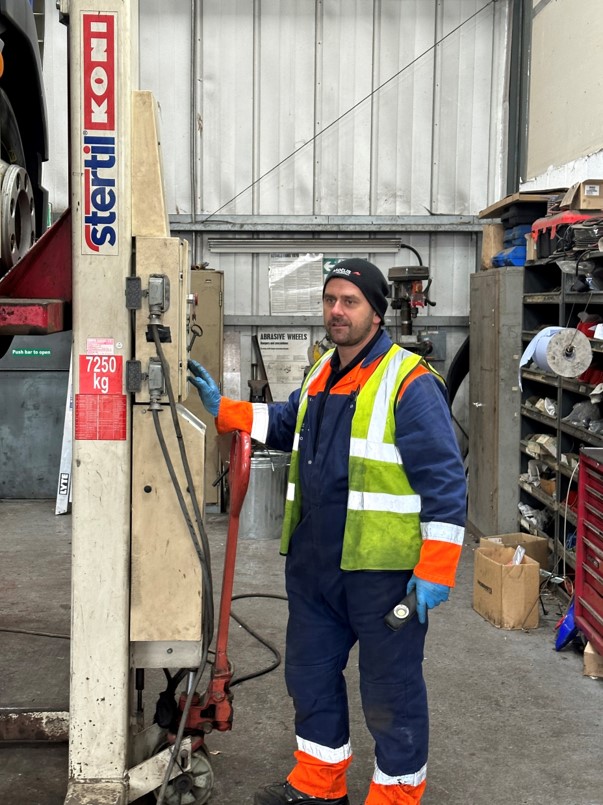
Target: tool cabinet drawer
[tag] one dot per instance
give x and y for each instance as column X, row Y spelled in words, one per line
column 592, row 565
column 593, row 533
column 593, row 485
column 588, row 604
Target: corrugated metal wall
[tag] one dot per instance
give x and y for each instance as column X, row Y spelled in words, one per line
column 369, row 107
column 359, row 117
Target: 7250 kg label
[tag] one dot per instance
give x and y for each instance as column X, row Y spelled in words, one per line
column 101, row 374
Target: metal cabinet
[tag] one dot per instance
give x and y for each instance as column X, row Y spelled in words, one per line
column 34, row 376
column 494, row 399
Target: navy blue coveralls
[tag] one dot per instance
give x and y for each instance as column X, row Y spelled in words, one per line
column 331, row 609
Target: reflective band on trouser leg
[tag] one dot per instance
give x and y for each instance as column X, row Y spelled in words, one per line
column 395, row 794
column 319, row 778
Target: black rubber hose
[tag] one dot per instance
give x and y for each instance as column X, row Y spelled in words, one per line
column 458, row 370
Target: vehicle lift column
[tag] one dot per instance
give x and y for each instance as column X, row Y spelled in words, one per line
column 135, row 604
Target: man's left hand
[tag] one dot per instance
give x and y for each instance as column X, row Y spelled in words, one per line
column 429, row 595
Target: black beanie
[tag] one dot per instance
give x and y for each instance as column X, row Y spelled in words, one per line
column 365, row 276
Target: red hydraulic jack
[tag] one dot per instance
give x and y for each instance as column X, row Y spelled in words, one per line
column 213, row 710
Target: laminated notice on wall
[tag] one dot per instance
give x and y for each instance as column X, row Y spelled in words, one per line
column 285, row 354
column 295, row 282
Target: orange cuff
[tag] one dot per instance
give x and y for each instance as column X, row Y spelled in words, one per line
column 438, row 562
column 234, row 415
column 318, row 778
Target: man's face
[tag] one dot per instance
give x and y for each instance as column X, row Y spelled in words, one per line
column 349, row 318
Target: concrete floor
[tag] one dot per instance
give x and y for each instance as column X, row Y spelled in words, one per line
column 512, row 720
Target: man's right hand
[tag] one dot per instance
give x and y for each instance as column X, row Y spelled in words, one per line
column 207, row 387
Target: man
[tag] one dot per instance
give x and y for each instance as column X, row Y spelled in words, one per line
column 375, row 508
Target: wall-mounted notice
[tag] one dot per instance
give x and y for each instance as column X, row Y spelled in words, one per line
column 295, row 282
column 285, row 354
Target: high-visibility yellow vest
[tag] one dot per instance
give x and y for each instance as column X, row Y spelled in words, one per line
column 382, row 530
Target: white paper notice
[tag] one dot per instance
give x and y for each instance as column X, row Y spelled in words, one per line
column 295, row 283
column 285, row 354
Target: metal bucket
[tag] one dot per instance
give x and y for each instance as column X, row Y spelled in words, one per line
column 264, row 505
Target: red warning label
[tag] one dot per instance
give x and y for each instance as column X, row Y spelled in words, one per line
column 100, row 417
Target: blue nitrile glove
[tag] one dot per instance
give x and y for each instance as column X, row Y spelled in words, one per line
column 429, row 595
column 206, row 386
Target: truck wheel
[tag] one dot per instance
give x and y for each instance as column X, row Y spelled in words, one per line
column 17, row 210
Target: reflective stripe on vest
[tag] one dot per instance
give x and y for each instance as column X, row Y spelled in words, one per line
column 382, row 530
column 292, row 513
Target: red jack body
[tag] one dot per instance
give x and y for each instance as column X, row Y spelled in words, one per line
column 213, row 709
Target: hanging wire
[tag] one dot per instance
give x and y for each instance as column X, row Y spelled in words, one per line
column 348, row 111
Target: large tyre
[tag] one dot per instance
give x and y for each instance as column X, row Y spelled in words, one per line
column 17, row 214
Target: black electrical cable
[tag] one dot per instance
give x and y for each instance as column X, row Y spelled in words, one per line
column 179, row 735
column 270, row 646
column 458, row 369
column 207, row 583
column 187, row 471
column 413, row 250
column 206, row 586
column 202, row 549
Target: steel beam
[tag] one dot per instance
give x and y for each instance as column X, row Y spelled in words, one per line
column 327, row 223
column 422, row 322
column 18, row 724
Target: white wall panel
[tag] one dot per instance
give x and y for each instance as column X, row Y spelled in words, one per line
column 565, row 84
column 300, row 107
column 284, row 107
column 465, row 105
column 403, row 109
column 376, row 115
column 228, row 102
column 348, row 107
column 451, row 258
column 165, row 69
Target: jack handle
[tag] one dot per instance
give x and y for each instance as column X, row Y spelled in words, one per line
column 239, row 468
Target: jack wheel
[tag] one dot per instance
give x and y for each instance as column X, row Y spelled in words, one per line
column 192, row 787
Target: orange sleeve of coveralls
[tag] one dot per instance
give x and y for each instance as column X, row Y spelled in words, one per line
column 438, row 562
column 234, row 415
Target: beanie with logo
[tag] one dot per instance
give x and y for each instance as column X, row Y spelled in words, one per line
column 366, row 277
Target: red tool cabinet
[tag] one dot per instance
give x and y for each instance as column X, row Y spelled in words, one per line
column 588, row 603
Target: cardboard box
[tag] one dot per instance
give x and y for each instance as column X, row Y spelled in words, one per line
column 537, row 548
column 586, row 195
column 506, row 595
column 593, row 662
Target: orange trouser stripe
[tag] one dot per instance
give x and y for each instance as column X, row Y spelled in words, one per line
column 318, row 778
column 395, row 794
